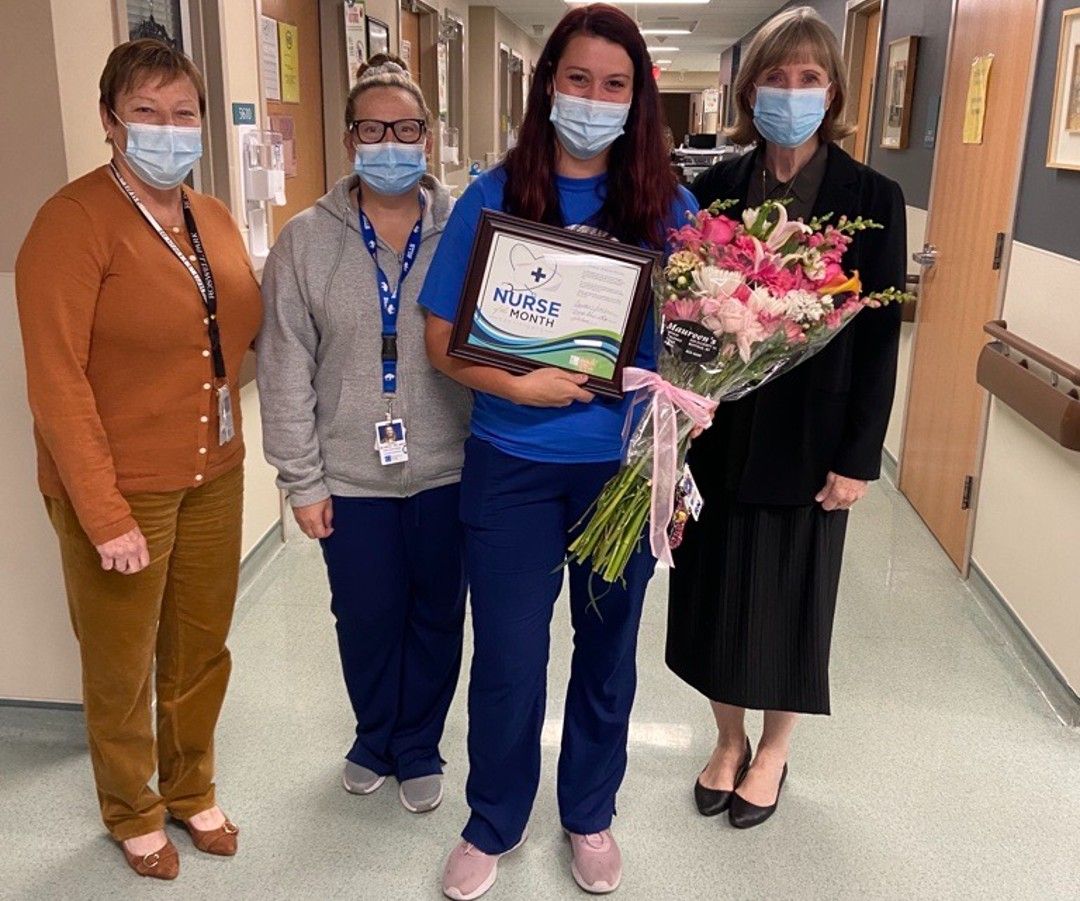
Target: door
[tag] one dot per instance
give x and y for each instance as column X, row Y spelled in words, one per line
column 300, row 122
column 868, row 54
column 972, row 201
column 411, row 51
column 677, row 114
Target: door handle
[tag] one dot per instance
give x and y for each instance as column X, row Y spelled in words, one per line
column 927, row 257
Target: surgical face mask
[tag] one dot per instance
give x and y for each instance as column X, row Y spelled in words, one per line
column 586, row 128
column 390, row 168
column 789, row 118
column 162, row 155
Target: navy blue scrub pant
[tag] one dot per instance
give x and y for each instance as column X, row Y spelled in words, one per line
column 397, row 584
column 518, row 516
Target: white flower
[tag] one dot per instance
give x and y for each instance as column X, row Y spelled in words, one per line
column 764, row 301
column 804, row 307
column 712, row 281
column 813, row 264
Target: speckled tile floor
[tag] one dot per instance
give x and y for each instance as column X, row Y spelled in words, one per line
column 941, row 774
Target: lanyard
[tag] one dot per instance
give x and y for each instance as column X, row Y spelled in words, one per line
column 203, row 277
column 388, row 300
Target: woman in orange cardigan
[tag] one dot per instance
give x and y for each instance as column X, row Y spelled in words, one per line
column 137, row 303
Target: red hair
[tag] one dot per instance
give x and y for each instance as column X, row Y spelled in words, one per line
column 641, row 185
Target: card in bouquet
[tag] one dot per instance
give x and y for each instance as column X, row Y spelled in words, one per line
column 537, row 296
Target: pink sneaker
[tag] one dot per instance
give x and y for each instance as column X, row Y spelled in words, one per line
column 469, row 872
column 597, row 865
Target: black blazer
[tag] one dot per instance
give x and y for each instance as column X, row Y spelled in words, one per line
column 831, row 412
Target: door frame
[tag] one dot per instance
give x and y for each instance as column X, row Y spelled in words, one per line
column 856, row 14
column 1013, row 186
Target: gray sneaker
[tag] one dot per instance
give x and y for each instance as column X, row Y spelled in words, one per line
column 359, row 780
column 422, row 794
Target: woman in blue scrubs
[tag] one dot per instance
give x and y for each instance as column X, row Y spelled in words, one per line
column 590, row 156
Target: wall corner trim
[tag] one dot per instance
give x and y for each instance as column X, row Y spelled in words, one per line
column 1050, row 682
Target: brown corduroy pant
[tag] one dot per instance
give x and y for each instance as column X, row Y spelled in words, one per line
column 160, row 631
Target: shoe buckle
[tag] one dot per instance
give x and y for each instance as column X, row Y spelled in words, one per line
column 152, row 859
column 229, row 828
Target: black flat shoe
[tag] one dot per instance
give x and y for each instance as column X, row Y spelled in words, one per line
column 711, row 801
column 744, row 815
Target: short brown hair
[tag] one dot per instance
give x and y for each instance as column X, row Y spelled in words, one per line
column 135, row 61
column 783, row 39
column 384, row 70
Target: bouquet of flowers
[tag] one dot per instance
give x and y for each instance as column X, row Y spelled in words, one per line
column 741, row 302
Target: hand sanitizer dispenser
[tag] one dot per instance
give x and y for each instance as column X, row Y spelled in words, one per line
column 263, row 158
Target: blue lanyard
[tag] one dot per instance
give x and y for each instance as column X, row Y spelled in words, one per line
column 388, row 299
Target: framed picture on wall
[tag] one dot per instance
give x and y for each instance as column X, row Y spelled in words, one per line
column 1063, row 150
column 898, row 89
column 378, row 37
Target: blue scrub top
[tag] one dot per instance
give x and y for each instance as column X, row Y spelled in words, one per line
column 580, row 433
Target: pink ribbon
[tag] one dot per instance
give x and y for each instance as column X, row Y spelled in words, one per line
column 667, row 401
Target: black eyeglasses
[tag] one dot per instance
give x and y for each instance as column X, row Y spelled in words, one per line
column 372, row 131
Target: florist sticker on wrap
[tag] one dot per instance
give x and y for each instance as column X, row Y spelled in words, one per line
column 741, row 303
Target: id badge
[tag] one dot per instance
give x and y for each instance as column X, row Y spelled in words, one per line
column 390, row 442
column 690, row 494
column 226, row 428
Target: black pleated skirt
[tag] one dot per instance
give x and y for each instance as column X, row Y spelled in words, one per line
column 751, row 604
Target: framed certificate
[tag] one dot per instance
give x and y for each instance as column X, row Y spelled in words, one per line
column 538, row 296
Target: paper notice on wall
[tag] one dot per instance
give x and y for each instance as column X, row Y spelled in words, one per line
column 443, row 65
column 286, row 127
column 355, row 38
column 289, row 50
column 268, row 58
column 975, row 106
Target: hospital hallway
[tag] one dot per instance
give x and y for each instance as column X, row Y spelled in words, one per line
column 942, row 773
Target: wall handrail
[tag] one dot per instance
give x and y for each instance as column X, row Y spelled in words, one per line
column 1048, row 402
column 999, row 330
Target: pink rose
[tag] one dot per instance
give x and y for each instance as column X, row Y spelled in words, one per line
column 687, row 237
column 718, row 230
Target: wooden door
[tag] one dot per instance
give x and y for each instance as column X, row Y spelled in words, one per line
column 972, row 200
column 410, row 43
column 867, row 75
column 303, row 119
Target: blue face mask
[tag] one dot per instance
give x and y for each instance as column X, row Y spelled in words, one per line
column 162, row 155
column 586, row 128
column 390, row 168
column 789, row 118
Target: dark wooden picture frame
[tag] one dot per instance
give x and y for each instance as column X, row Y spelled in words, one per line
column 378, row 36
column 898, row 90
column 494, row 223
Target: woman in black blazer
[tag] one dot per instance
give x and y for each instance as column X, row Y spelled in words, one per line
column 754, row 587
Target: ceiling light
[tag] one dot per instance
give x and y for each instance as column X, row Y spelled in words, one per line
column 662, row 49
column 665, row 31
column 662, row 62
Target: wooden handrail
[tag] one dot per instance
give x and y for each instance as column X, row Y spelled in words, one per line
column 998, row 330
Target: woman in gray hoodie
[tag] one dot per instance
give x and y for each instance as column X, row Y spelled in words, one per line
column 368, row 438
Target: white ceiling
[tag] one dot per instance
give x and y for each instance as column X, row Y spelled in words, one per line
column 720, row 23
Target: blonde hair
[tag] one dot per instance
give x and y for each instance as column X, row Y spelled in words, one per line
column 793, row 35
column 385, row 71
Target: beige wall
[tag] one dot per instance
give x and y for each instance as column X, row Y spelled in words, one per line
column 58, row 54
column 1027, row 528
column 916, row 232
column 682, row 82
column 488, row 28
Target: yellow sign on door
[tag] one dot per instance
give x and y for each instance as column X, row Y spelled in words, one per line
column 289, row 47
column 975, row 107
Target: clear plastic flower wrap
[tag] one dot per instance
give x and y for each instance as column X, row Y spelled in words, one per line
column 740, row 303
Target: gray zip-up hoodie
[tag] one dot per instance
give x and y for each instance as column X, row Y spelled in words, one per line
column 320, row 360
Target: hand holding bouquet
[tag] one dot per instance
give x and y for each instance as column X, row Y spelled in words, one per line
column 740, row 303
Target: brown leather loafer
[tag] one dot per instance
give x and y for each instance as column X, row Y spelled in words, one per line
column 221, row 841
column 164, row 863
